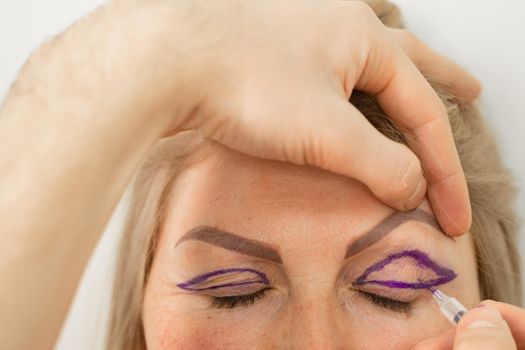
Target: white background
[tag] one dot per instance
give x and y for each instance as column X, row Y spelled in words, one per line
column 486, row 37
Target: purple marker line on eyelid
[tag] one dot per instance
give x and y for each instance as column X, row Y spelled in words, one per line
column 444, row 275
column 189, row 285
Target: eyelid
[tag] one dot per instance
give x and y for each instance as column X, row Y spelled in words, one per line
column 232, row 278
column 401, row 295
column 422, row 260
column 233, row 301
column 387, row 303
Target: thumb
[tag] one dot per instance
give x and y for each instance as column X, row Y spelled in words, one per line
column 483, row 328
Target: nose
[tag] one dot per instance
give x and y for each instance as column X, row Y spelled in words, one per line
column 314, row 324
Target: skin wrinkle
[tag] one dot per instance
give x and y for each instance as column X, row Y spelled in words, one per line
column 232, row 242
column 189, row 285
column 444, row 275
column 386, row 226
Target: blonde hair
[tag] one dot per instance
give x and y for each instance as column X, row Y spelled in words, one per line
column 494, row 227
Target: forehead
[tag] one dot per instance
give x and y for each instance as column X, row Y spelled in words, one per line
column 262, row 198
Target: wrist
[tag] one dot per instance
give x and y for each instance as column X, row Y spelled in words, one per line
column 166, row 62
column 125, row 60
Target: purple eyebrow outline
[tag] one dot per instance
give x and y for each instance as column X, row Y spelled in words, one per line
column 444, row 275
column 189, row 285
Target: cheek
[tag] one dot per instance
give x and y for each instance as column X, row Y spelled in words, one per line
column 384, row 329
column 167, row 326
column 168, row 329
column 178, row 333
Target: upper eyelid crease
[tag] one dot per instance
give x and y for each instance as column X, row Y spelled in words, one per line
column 192, row 283
column 444, row 275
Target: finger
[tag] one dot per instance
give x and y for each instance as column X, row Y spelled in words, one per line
column 483, row 328
column 436, row 67
column 515, row 318
column 410, row 101
column 441, row 342
column 351, row 146
column 414, row 106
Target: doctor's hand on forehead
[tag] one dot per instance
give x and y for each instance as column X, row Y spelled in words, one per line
column 272, row 79
column 491, row 325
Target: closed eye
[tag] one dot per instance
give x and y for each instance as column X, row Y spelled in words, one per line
column 421, row 261
column 387, row 303
column 233, row 301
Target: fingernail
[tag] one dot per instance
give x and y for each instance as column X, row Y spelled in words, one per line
column 485, row 317
column 417, row 196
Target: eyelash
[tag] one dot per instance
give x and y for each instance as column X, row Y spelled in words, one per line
column 232, row 301
column 390, row 304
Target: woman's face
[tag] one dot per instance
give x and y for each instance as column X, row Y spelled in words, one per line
column 260, row 255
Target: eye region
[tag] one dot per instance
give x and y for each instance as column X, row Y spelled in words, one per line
column 443, row 275
column 232, row 277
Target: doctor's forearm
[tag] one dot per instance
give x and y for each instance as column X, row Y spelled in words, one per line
column 73, row 131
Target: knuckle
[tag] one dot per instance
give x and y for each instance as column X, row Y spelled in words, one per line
column 360, row 10
column 404, row 176
column 410, row 43
column 407, row 38
column 434, row 124
column 317, row 144
column 361, row 6
column 306, row 145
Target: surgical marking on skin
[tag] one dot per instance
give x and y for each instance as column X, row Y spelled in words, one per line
column 193, row 283
column 444, row 275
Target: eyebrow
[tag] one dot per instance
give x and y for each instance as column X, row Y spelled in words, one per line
column 388, row 225
column 230, row 241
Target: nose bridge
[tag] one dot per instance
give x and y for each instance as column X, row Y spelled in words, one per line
column 314, row 323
